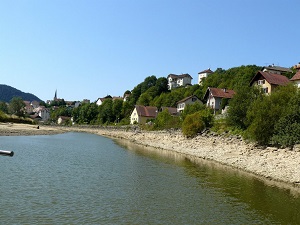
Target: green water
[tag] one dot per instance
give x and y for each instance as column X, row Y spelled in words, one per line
column 79, row 178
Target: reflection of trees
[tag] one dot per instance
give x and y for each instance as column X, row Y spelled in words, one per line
column 268, row 201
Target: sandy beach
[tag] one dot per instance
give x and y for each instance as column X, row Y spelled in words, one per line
column 272, row 164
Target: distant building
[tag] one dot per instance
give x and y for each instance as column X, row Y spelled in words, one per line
column 213, row 97
column 141, row 114
column 175, row 81
column 268, row 81
column 276, row 69
column 187, row 101
column 296, row 79
column 203, row 74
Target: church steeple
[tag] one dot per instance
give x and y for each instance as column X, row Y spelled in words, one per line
column 55, row 95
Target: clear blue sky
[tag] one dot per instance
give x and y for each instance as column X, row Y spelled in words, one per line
column 91, row 48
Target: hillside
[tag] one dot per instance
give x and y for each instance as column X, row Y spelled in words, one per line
column 8, row 92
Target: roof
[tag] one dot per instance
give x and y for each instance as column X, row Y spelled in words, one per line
column 206, row 71
column 171, row 110
column 296, row 76
column 180, row 76
column 278, row 68
column 271, row 78
column 146, row 111
column 221, row 93
column 187, row 98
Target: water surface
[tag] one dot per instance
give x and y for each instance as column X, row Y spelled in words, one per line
column 79, row 178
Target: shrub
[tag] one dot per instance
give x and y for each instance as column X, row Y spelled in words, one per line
column 196, row 123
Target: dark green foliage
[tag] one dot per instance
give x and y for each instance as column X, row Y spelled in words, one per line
column 165, row 120
column 287, row 128
column 3, row 107
column 239, row 106
column 266, row 111
column 16, row 107
column 195, row 123
column 7, row 93
column 190, row 109
column 231, row 78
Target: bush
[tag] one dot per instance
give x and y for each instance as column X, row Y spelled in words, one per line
column 165, row 120
column 196, row 123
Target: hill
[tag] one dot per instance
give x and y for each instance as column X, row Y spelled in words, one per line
column 8, row 92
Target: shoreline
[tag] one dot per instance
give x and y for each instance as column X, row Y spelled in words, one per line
column 272, row 164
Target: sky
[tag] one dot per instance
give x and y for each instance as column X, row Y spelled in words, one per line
column 87, row 49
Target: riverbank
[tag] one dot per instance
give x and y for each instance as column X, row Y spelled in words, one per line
column 274, row 164
column 17, row 129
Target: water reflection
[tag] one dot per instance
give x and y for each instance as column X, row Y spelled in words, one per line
column 275, row 200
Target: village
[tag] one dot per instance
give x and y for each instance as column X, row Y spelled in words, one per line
column 267, row 79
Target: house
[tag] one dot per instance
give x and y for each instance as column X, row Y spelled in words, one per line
column 175, row 81
column 28, row 107
column 296, row 79
column 141, row 114
column 187, row 101
column 171, row 110
column 203, row 74
column 276, row 69
column 101, row 100
column 268, row 81
column 213, row 97
column 35, row 104
column 42, row 112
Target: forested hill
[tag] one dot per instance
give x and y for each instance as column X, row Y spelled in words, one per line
column 8, row 92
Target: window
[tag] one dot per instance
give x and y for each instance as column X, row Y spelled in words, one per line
column 265, row 90
column 260, row 82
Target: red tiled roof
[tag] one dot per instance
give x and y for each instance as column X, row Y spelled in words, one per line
column 206, row 71
column 146, row 111
column 221, row 93
column 272, row 78
column 296, row 76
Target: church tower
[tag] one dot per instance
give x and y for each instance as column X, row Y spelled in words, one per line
column 55, row 95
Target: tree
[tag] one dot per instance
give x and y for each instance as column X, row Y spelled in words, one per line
column 192, row 108
column 165, row 120
column 197, row 122
column 3, row 107
column 117, row 109
column 265, row 112
column 148, row 83
column 287, row 128
column 16, row 107
column 239, row 106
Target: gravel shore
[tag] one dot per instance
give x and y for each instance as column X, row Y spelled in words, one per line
column 280, row 165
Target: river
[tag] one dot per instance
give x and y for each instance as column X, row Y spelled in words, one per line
column 80, row 178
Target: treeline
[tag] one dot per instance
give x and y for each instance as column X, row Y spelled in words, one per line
column 266, row 119
column 154, row 91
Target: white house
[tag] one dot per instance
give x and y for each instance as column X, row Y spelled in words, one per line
column 187, row 101
column 175, row 81
column 213, row 97
column 203, row 74
column 43, row 112
column 141, row 114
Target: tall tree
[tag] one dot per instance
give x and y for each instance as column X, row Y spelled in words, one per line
column 16, row 107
